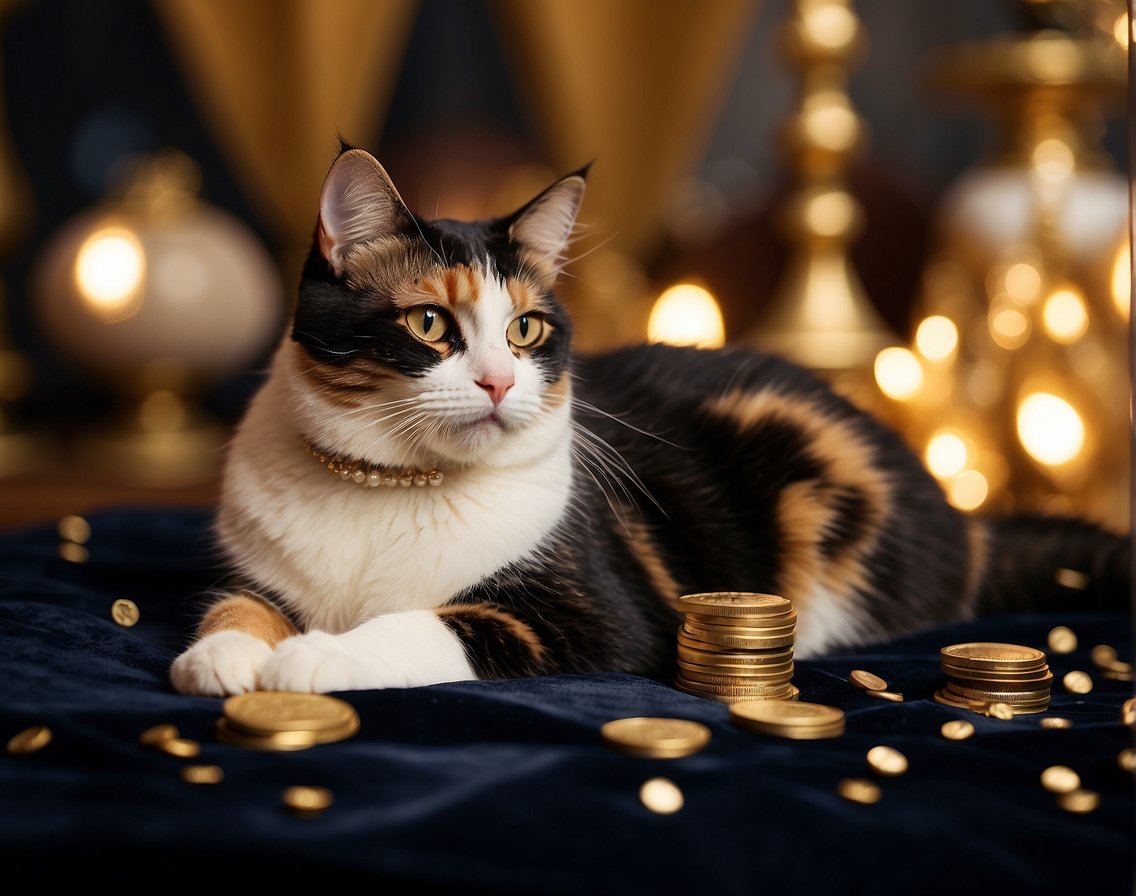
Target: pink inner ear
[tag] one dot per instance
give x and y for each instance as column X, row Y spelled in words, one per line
column 325, row 242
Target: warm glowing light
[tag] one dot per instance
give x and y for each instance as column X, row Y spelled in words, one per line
column 946, row 454
column 1023, row 282
column 687, row 314
column 1053, row 160
column 109, row 268
column 898, row 373
column 968, row 491
column 1065, row 315
column 1050, row 428
column 1122, row 281
column 1120, row 30
column 1009, row 326
column 936, row 337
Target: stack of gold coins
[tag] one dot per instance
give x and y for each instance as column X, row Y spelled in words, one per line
column 736, row 646
column 983, row 674
column 282, row 720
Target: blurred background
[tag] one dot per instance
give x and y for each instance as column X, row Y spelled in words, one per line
column 926, row 203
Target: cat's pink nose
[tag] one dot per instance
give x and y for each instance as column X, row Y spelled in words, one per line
column 497, row 386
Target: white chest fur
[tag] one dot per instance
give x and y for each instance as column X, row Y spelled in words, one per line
column 338, row 554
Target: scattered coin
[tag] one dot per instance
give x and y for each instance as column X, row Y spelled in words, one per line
column 887, row 761
column 867, row 680
column 1128, row 712
column 1002, row 711
column 886, row 695
column 1072, row 578
column 304, row 800
column 1062, row 640
column 124, row 612
column 1060, row 779
column 1077, row 682
column 661, row 795
column 656, row 737
column 1056, row 722
column 957, row 729
column 73, row 553
column 157, row 734
column 179, row 746
column 796, row 720
column 285, row 720
column 1104, row 656
column 859, row 790
column 1079, row 801
column 30, row 740
column 1126, row 759
column 74, row 529
column 202, row 774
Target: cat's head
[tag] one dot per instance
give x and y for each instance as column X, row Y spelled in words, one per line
column 422, row 341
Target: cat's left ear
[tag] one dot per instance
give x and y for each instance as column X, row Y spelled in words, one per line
column 544, row 226
column 358, row 203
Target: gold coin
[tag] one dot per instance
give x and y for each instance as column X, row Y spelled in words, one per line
column 729, row 639
column 656, row 737
column 30, row 740
column 757, row 623
column 179, row 746
column 998, row 677
column 271, row 712
column 735, row 603
column 280, row 741
column 661, row 795
column 697, row 676
column 73, row 553
column 1128, row 712
column 1062, row 639
column 306, row 800
column 1077, row 682
column 1104, row 655
column 734, row 688
column 1079, row 801
column 124, row 612
column 74, row 529
column 158, row 734
column 992, row 655
column 887, row 761
column 1000, row 710
column 885, row 695
column 1060, row 779
column 1056, row 722
column 990, row 695
column 202, row 774
column 867, row 680
column 785, row 714
column 948, row 699
column 704, row 655
column 1126, row 759
column 859, row 790
column 957, row 729
column 1072, row 578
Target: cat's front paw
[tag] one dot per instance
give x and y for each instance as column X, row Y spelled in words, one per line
column 220, row 665
column 314, row 663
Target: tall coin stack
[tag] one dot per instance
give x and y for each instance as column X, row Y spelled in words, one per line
column 981, row 674
column 736, row 646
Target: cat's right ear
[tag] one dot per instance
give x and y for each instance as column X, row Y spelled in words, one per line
column 358, row 203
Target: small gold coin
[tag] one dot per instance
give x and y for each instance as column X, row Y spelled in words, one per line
column 661, row 795
column 74, row 529
column 1079, row 801
column 999, row 710
column 268, row 713
column 1060, row 779
column 124, row 612
column 1056, row 722
column 1104, row 656
column 1077, row 682
column 788, row 718
column 179, row 746
column 1119, row 672
column 867, row 680
column 885, row 695
column 859, row 790
column 202, row 774
column 1126, row 759
column 655, row 737
column 887, row 761
column 1128, row 712
column 157, row 734
column 736, row 604
column 957, row 729
column 73, row 553
column 992, row 656
column 1072, row 578
column 305, row 800
column 1062, row 640
column 29, row 740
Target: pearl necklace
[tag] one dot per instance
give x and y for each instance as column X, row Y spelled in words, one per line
column 371, row 476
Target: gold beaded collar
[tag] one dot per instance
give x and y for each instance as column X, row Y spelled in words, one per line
column 371, row 476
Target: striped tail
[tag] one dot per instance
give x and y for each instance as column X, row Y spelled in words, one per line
column 1041, row 563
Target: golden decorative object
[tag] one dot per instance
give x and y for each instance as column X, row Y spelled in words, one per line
column 161, row 296
column 820, row 314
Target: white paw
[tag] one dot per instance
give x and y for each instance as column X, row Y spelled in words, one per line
column 220, row 664
column 398, row 650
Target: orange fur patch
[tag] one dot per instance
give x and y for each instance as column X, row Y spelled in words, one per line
column 511, row 623
column 558, row 393
column 247, row 613
column 638, row 540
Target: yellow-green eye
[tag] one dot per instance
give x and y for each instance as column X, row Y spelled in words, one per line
column 525, row 330
column 428, row 323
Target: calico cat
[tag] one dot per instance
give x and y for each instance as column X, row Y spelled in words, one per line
column 430, row 486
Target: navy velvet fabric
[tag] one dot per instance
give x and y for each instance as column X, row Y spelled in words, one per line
column 506, row 786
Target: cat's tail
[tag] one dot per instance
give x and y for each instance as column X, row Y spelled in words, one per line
column 1035, row 562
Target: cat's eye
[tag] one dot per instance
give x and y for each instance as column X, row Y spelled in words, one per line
column 428, row 323
column 525, row 330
